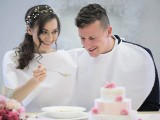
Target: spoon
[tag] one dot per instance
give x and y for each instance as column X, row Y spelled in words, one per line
column 63, row 74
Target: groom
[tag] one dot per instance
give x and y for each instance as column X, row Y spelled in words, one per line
column 108, row 58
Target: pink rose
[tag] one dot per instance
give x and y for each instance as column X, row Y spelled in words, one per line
column 21, row 110
column 3, row 111
column 2, row 101
column 10, row 109
column 110, row 85
column 13, row 115
column 94, row 110
column 119, row 99
column 8, row 115
column 124, row 112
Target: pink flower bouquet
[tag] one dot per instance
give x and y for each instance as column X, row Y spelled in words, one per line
column 10, row 109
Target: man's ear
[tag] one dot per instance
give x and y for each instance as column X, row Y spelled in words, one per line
column 110, row 31
column 29, row 30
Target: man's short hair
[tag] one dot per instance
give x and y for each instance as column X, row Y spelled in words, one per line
column 91, row 13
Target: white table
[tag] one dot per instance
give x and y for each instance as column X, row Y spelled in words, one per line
column 142, row 115
column 149, row 115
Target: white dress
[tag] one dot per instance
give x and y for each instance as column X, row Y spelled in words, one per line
column 55, row 90
column 127, row 65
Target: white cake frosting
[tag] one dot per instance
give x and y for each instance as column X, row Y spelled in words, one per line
column 131, row 116
column 112, row 105
column 111, row 94
column 112, row 108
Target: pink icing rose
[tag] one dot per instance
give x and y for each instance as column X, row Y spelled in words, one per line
column 140, row 119
column 110, row 85
column 119, row 99
column 94, row 110
column 124, row 112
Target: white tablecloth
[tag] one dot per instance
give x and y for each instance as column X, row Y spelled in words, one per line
column 142, row 115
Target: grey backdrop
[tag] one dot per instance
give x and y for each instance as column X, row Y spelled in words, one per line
column 135, row 20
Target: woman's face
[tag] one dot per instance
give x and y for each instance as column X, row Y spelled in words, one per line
column 48, row 37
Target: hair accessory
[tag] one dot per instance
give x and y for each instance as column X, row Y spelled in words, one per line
column 36, row 13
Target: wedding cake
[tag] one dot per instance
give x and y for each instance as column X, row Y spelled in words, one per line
column 112, row 105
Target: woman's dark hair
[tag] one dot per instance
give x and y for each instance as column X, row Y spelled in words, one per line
column 91, row 13
column 36, row 16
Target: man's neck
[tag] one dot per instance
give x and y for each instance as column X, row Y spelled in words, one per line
column 111, row 44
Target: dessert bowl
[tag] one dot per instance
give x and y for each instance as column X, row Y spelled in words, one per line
column 63, row 112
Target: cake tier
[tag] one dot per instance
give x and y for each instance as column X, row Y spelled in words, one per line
column 132, row 116
column 113, row 108
column 111, row 94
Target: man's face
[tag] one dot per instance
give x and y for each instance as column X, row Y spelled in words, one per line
column 95, row 38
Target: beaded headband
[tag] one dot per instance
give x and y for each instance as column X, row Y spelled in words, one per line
column 36, row 13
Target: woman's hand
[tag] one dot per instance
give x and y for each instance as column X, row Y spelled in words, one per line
column 39, row 74
column 22, row 91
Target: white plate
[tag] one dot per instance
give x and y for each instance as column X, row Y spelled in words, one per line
column 81, row 116
column 63, row 112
